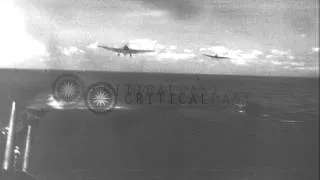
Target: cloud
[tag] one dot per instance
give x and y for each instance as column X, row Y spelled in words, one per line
column 172, row 47
column 171, row 59
column 303, row 35
column 269, row 56
column 249, row 55
column 142, row 44
column 171, row 52
column 277, row 56
column 286, row 64
column 162, row 52
column 296, row 63
column 180, row 10
column 203, row 49
column 315, row 49
column 275, row 62
column 188, row 51
column 257, row 52
column 307, row 68
column 71, row 50
column 286, row 67
column 278, row 52
column 292, row 57
column 239, row 61
column 17, row 45
column 216, row 50
column 93, row 45
column 175, row 56
column 145, row 13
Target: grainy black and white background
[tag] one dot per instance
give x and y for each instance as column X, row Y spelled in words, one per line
column 262, row 38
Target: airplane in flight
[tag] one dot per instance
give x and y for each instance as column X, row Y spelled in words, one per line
column 216, row 56
column 125, row 50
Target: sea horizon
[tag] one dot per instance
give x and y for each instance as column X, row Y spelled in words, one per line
column 155, row 72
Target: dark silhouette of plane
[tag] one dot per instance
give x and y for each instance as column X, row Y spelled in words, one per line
column 215, row 56
column 125, row 50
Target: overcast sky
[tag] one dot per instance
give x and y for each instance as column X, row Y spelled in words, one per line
column 261, row 37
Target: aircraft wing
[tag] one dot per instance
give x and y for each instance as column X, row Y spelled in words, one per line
column 219, row 57
column 136, row 51
column 110, row 48
column 216, row 57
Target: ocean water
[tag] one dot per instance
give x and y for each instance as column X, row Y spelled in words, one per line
column 175, row 142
